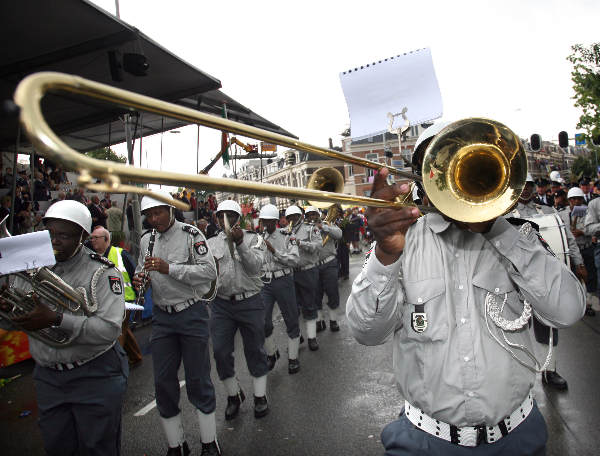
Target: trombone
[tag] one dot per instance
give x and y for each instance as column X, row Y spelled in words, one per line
column 474, row 169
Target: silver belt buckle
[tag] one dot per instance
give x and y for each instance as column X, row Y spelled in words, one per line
column 468, row 436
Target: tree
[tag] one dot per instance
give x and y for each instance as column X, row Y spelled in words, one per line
column 586, row 84
column 106, row 153
column 582, row 167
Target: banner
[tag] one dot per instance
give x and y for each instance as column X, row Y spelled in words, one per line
column 267, row 147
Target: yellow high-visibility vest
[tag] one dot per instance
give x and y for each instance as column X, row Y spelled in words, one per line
column 114, row 255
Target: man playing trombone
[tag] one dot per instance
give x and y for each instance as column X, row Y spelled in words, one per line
column 450, row 293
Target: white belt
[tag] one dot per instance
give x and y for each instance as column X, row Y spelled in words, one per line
column 277, row 274
column 239, row 297
column 75, row 364
column 469, row 435
column 306, row 268
column 327, row 260
column 179, row 307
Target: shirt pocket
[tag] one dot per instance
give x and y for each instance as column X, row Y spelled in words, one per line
column 498, row 283
column 178, row 255
column 429, row 293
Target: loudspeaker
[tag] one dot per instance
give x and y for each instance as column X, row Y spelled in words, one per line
column 135, row 64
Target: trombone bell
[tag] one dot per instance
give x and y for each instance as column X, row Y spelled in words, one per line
column 326, row 179
column 474, row 170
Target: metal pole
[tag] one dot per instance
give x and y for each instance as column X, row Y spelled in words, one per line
column 117, row 12
column 137, row 217
column 197, row 171
column 14, row 182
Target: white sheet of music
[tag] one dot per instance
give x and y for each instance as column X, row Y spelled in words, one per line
column 26, row 251
column 387, row 86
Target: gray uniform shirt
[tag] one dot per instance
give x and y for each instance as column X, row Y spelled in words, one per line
column 286, row 251
column 191, row 265
column 592, row 218
column 532, row 208
column 240, row 274
column 310, row 243
column 454, row 370
column 95, row 334
column 335, row 234
column 582, row 241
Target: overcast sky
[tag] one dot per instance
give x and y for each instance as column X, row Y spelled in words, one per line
column 505, row 60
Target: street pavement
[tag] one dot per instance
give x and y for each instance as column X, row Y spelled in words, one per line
column 337, row 404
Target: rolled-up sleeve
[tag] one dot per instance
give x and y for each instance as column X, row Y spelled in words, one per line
column 557, row 297
column 104, row 326
column 374, row 305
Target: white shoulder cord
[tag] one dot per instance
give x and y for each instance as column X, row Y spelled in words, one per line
column 214, row 263
column 493, row 311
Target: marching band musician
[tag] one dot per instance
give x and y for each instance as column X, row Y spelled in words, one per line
column 80, row 387
column 181, row 269
column 448, row 292
column 328, row 270
column 238, row 305
column 306, row 275
column 526, row 207
column 281, row 258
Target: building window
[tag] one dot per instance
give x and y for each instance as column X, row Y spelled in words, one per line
column 367, row 192
column 398, row 163
column 350, row 171
column 373, row 157
column 370, row 172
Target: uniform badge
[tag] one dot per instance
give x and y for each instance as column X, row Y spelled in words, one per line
column 115, row 285
column 419, row 321
column 293, row 241
column 200, row 248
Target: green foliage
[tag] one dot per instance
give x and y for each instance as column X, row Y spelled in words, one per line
column 106, row 153
column 586, row 84
column 582, row 167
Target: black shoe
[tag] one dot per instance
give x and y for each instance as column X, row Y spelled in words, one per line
column 233, row 405
column 345, row 278
column 553, row 379
column 313, row 344
column 272, row 359
column 261, row 408
column 293, row 366
column 211, row 449
column 301, row 339
column 181, row 450
column 590, row 312
column 333, row 325
column 321, row 325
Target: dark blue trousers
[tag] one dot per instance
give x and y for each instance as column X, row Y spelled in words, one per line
column 402, row 438
column 80, row 409
column 328, row 284
column 281, row 290
column 248, row 316
column 306, row 283
column 176, row 337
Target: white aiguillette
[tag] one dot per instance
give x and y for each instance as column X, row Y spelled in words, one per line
column 26, row 251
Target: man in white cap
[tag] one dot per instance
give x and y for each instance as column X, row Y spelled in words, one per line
column 238, row 305
column 80, row 386
column 573, row 216
column 306, row 275
column 447, row 293
column 281, row 258
column 175, row 258
column 328, row 270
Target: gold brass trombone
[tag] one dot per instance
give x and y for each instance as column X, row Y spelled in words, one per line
column 474, row 169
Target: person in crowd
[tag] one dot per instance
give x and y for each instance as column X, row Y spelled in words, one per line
column 40, row 187
column 203, row 212
column 355, row 222
column 281, row 258
column 526, row 207
column 543, row 195
column 101, row 243
column 573, row 217
column 5, row 206
column 202, row 224
column 555, row 186
column 178, row 263
column 343, row 249
column 105, row 202
column 306, row 275
column 7, row 179
column 212, row 203
column 238, row 305
column 328, row 270
column 98, row 212
column 212, row 228
column 560, row 200
column 592, row 229
column 586, row 188
column 114, row 223
column 466, row 392
column 80, row 387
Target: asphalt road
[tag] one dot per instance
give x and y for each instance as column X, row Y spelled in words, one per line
column 337, row 405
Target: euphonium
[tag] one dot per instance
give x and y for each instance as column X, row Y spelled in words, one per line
column 332, row 214
column 53, row 292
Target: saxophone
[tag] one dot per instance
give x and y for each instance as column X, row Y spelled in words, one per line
column 142, row 291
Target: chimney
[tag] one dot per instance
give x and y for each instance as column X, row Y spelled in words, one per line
column 330, row 143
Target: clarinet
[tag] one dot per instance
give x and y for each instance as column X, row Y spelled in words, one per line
column 142, row 291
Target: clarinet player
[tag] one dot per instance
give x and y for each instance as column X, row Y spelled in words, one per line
column 181, row 270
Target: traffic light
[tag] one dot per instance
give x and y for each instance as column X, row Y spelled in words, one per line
column 536, row 142
column 596, row 140
column 563, row 139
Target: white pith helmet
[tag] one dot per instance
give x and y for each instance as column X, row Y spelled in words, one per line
column 311, row 209
column 555, row 176
column 293, row 210
column 429, row 132
column 149, row 202
column 269, row 212
column 575, row 192
column 229, row 205
column 529, row 178
column 73, row 211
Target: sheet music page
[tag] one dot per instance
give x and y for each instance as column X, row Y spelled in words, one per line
column 26, row 251
column 387, row 86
